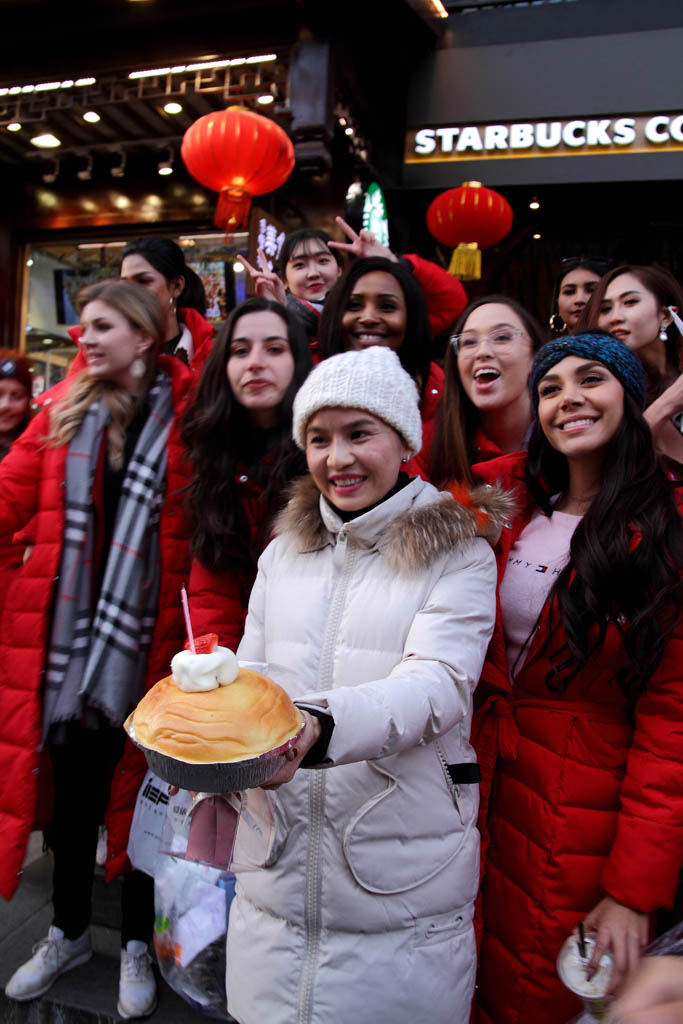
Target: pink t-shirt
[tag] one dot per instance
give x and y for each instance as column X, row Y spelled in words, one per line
column 536, row 560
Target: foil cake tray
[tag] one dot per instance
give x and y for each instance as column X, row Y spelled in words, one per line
column 219, row 777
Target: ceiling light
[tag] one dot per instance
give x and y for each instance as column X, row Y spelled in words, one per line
column 238, row 267
column 85, row 174
column 91, row 116
column 14, row 126
column 173, row 108
column 348, row 131
column 47, row 341
column 537, row 236
column 46, row 140
column 166, row 166
column 51, row 176
column 204, row 65
column 68, row 83
column 120, row 169
column 265, row 99
column 534, row 204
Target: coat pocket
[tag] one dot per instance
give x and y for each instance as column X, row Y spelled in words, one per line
column 411, row 830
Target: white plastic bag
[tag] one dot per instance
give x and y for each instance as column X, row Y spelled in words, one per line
column 192, row 905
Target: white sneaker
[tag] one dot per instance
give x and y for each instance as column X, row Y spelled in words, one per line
column 51, row 957
column 137, row 984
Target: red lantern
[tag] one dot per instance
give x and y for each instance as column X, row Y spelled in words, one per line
column 466, row 218
column 238, row 154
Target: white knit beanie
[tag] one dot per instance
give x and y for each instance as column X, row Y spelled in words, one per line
column 373, row 380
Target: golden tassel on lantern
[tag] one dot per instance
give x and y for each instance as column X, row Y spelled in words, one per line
column 466, row 262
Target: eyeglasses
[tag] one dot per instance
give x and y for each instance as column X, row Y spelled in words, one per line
column 501, row 339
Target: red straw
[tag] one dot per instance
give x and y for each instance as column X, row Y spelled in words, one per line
column 188, row 623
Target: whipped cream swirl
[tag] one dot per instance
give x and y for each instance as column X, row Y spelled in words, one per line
column 194, row 672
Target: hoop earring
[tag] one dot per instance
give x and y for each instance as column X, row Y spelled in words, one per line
column 663, row 336
column 556, row 323
column 138, row 368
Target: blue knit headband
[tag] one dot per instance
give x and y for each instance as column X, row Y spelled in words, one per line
column 612, row 353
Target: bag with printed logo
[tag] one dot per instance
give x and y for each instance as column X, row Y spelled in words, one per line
column 151, row 807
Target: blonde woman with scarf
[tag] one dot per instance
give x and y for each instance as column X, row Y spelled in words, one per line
column 91, row 620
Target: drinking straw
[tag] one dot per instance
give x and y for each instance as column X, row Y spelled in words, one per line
column 188, row 623
column 582, row 942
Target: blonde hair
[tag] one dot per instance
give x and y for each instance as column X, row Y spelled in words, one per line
column 143, row 312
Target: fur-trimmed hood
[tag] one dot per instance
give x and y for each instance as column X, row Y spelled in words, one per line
column 423, row 524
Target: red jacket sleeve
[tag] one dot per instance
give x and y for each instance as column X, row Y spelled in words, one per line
column 644, row 864
column 20, row 477
column 216, row 605
column 444, row 295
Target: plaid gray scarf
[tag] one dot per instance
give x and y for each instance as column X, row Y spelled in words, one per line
column 97, row 659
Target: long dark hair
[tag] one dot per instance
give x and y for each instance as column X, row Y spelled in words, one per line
column 610, row 579
column 458, row 417
column 168, row 258
column 596, row 265
column 219, row 438
column 667, row 292
column 416, row 351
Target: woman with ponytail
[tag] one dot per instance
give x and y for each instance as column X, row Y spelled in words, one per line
column 584, row 686
column 158, row 264
column 91, row 620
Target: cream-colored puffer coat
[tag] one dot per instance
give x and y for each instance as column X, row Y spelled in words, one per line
column 364, row 911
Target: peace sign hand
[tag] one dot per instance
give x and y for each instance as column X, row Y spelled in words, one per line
column 267, row 284
column 363, row 245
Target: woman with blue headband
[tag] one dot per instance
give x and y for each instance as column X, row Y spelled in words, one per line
column 581, row 697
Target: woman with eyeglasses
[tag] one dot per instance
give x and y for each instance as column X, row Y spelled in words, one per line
column 576, row 283
column 485, row 410
column 639, row 305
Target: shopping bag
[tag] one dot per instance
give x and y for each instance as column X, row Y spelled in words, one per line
column 152, row 806
column 192, row 906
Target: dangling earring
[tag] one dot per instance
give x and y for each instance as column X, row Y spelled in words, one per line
column 405, row 459
column 663, row 336
column 556, row 323
column 138, row 368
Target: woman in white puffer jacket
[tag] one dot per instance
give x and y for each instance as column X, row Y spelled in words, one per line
column 373, row 608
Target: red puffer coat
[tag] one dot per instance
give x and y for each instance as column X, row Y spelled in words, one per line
column 586, row 802
column 32, row 484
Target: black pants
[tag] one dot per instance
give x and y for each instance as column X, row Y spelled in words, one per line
column 83, row 768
